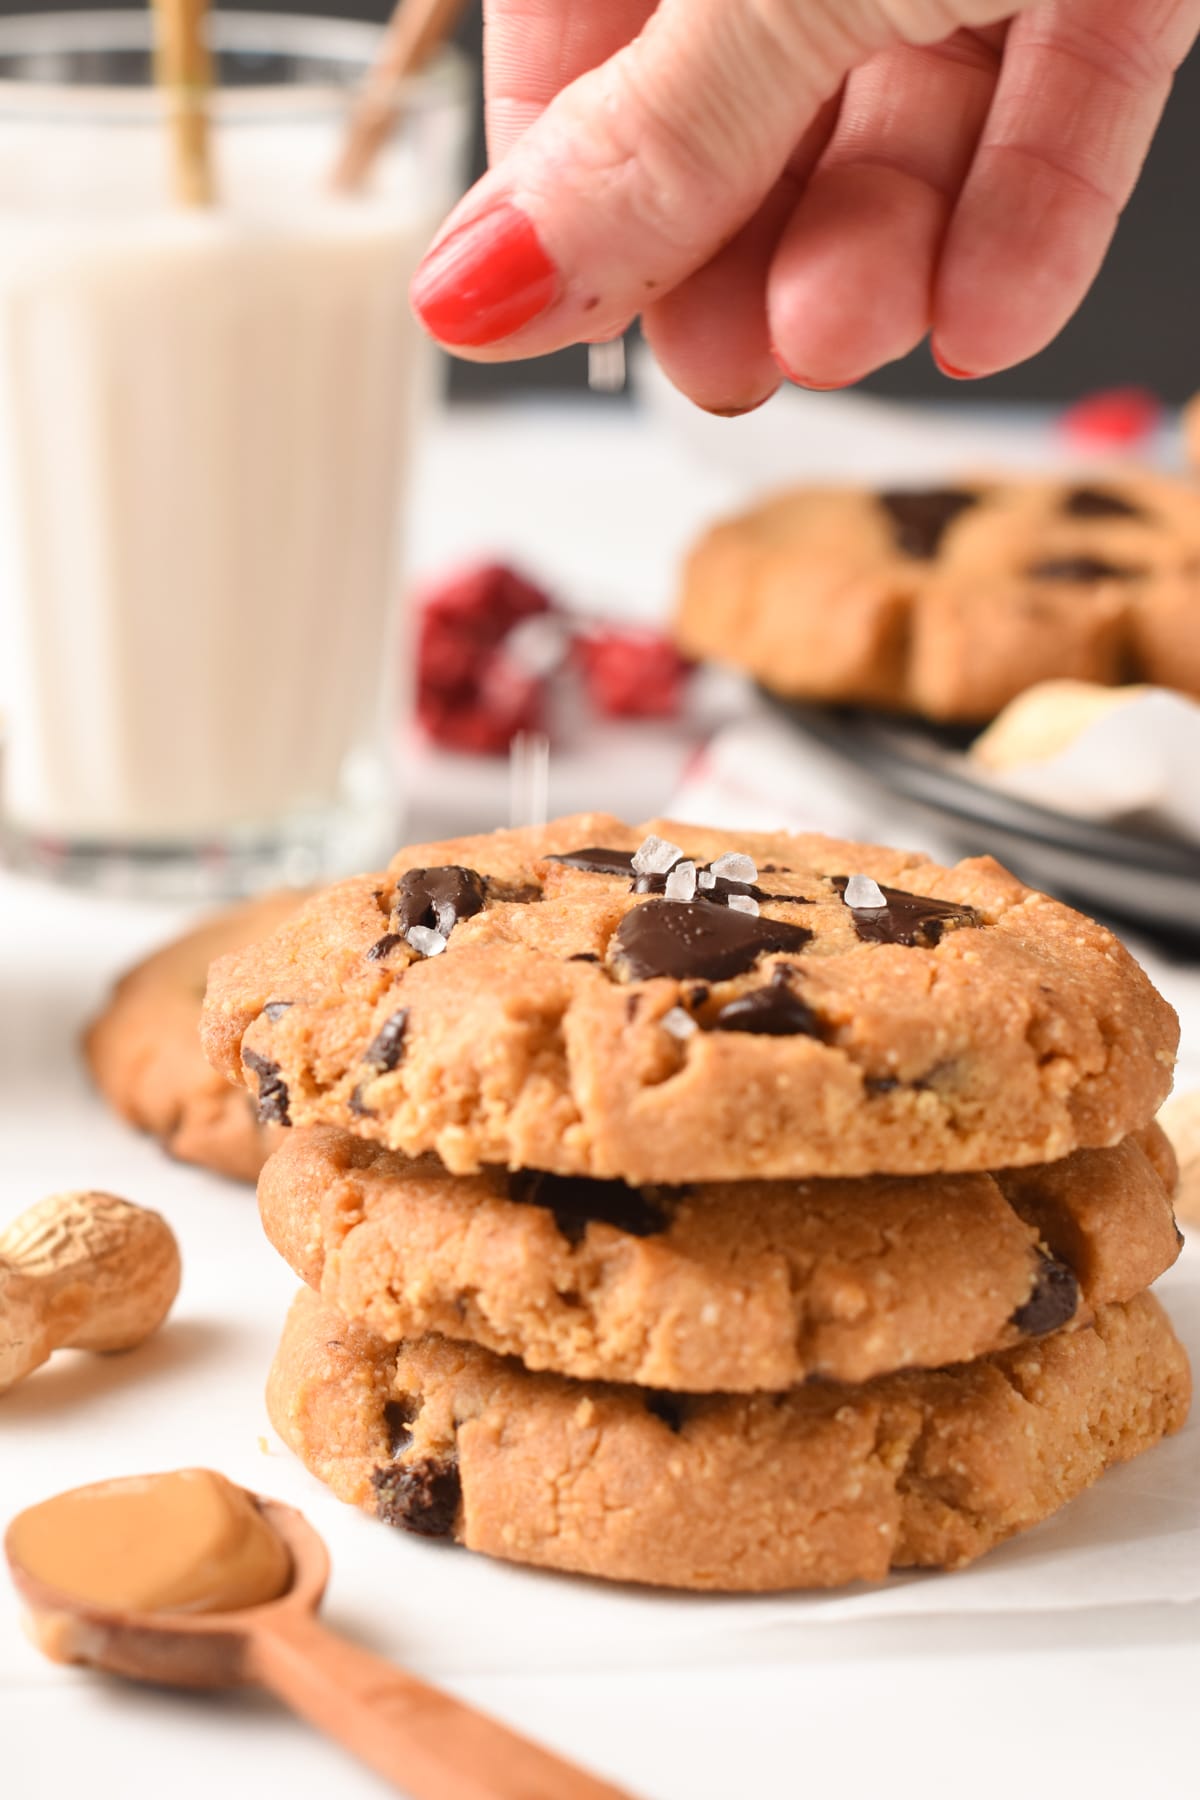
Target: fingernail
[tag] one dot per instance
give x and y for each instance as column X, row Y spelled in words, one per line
column 739, row 412
column 950, row 370
column 485, row 280
column 806, row 381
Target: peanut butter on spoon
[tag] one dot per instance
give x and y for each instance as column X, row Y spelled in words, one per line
column 188, row 1541
column 185, row 1580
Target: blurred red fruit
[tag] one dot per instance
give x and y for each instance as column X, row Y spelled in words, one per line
column 470, row 696
column 1112, row 419
column 631, row 673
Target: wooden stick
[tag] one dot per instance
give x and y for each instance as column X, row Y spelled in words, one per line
column 184, row 70
column 416, row 30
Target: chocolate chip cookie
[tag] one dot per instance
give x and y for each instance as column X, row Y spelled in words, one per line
column 669, row 1004
column 949, row 602
column 814, row 1488
column 144, row 1054
column 720, row 1287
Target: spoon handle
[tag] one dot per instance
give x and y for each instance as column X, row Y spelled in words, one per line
column 430, row 1745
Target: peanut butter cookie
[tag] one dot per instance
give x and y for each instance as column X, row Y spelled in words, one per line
column 949, row 602
column 671, row 1004
column 815, row 1488
column 718, row 1287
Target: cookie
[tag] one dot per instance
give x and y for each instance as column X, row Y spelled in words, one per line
column 144, row 1054
column 815, row 1488
column 734, row 1287
column 531, row 999
column 950, row 602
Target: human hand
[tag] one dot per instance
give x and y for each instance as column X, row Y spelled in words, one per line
column 798, row 187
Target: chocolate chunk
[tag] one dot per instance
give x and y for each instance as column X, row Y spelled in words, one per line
column 696, row 941
column 1100, row 503
column 512, row 893
column 438, row 898
column 275, row 1009
column 386, row 944
column 387, row 1046
column 422, row 1496
column 769, row 1012
column 670, row 1408
column 1053, row 1301
column 584, row 956
column 357, row 1104
column 595, row 860
column 272, row 1089
column 578, row 1201
column 1082, row 569
column 921, row 517
column 398, row 1416
column 916, row 920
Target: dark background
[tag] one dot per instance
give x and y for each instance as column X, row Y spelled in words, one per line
column 1139, row 324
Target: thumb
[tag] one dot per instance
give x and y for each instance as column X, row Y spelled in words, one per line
column 640, row 170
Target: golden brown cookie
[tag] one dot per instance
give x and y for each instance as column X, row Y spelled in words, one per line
column 815, row 1488
column 733, row 1287
column 950, row 602
column 532, row 999
column 144, row 1054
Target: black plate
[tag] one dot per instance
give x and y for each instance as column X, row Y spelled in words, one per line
column 1116, row 869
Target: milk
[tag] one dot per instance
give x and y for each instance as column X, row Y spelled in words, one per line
column 204, row 423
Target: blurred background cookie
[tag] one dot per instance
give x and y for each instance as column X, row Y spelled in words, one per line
column 143, row 1049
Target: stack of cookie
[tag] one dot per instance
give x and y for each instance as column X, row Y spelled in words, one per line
column 705, row 1210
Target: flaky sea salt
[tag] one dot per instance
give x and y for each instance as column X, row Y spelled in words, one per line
column 706, row 879
column 681, row 882
column 679, row 1023
column 655, row 856
column 425, row 940
column 864, row 894
column 733, row 866
column 742, row 903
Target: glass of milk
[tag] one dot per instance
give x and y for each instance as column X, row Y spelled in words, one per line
column 205, row 419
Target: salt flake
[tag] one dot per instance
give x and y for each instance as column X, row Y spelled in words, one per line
column 733, row 866
column 679, row 1023
column 743, row 903
column 655, row 856
column 681, row 882
column 864, row 894
column 425, row 940
column 706, row 879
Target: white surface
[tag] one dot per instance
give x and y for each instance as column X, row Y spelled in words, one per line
column 703, row 1700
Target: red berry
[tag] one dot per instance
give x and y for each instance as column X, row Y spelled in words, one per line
column 1114, row 418
column 631, row 673
column 469, row 695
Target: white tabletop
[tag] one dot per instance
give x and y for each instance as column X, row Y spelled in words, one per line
column 988, row 1704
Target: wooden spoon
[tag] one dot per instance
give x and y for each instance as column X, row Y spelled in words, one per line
column 429, row 1744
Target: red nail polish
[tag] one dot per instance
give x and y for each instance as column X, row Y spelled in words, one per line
column 485, row 280
column 951, row 371
column 805, row 381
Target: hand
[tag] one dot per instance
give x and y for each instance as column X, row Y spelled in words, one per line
column 798, row 187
